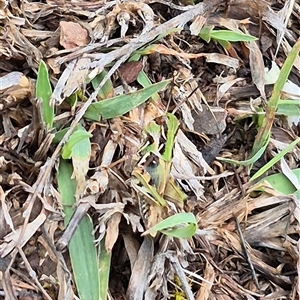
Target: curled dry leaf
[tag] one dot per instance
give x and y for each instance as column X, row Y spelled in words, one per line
column 126, row 12
column 112, row 231
column 257, row 67
column 224, row 87
column 183, row 166
column 15, row 87
column 211, row 57
column 72, row 35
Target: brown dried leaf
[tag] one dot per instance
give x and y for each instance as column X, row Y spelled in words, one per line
column 72, row 35
column 77, row 77
column 15, row 86
column 138, row 280
column 11, row 240
column 211, row 57
column 197, row 25
column 112, row 231
column 205, row 289
column 130, row 70
column 211, row 120
column 125, row 12
column 257, row 67
column 80, row 169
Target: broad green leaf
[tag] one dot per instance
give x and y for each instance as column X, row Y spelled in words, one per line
column 107, row 90
column 78, row 147
column 59, row 135
column 275, row 159
column 135, row 57
column 181, row 225
column 154, row 130
column 185, row 232
column 72, row 100
column 76, row 137
column 43, row 92
column 119, row 105
column 281, row 183
column 288, row 108
column 81, row 153
column 207, row 33
column 81, row 248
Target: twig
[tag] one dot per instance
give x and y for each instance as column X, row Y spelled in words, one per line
column 246, row 252
column 180, row 273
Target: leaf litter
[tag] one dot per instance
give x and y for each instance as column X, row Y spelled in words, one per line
column 137, row 168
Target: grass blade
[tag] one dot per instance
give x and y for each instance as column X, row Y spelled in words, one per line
column 119, row 105
column 275, row 159
column 265, row 129
column 81, row 248
column 43, row 92
column 169, row 226
column 104, row 269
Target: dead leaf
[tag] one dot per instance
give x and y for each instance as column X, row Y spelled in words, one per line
column 225, row 86
column 257, row 67
column 138, row 280
column 130, row 70
column 11, row 240
column 197, row 25
column 210, row 121
column 112, row 231
column 211, row 57
column 15, row 86
column 205, row 289
column 72, row 35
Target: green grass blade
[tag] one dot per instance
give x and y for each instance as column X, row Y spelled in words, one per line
column 59, row 135
column 172, row 124
column 104, row 269
column 81, row 248
column 119, row 105
column 144, row 81
column 267, row 124
column 169, row 226
column 250, row 161
column 43, row 92
column 205, row 33
column 231, row 36
column 107, row 89
column 275, row 159
column 289, row 108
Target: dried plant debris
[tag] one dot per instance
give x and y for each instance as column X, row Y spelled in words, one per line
column 217, row 64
